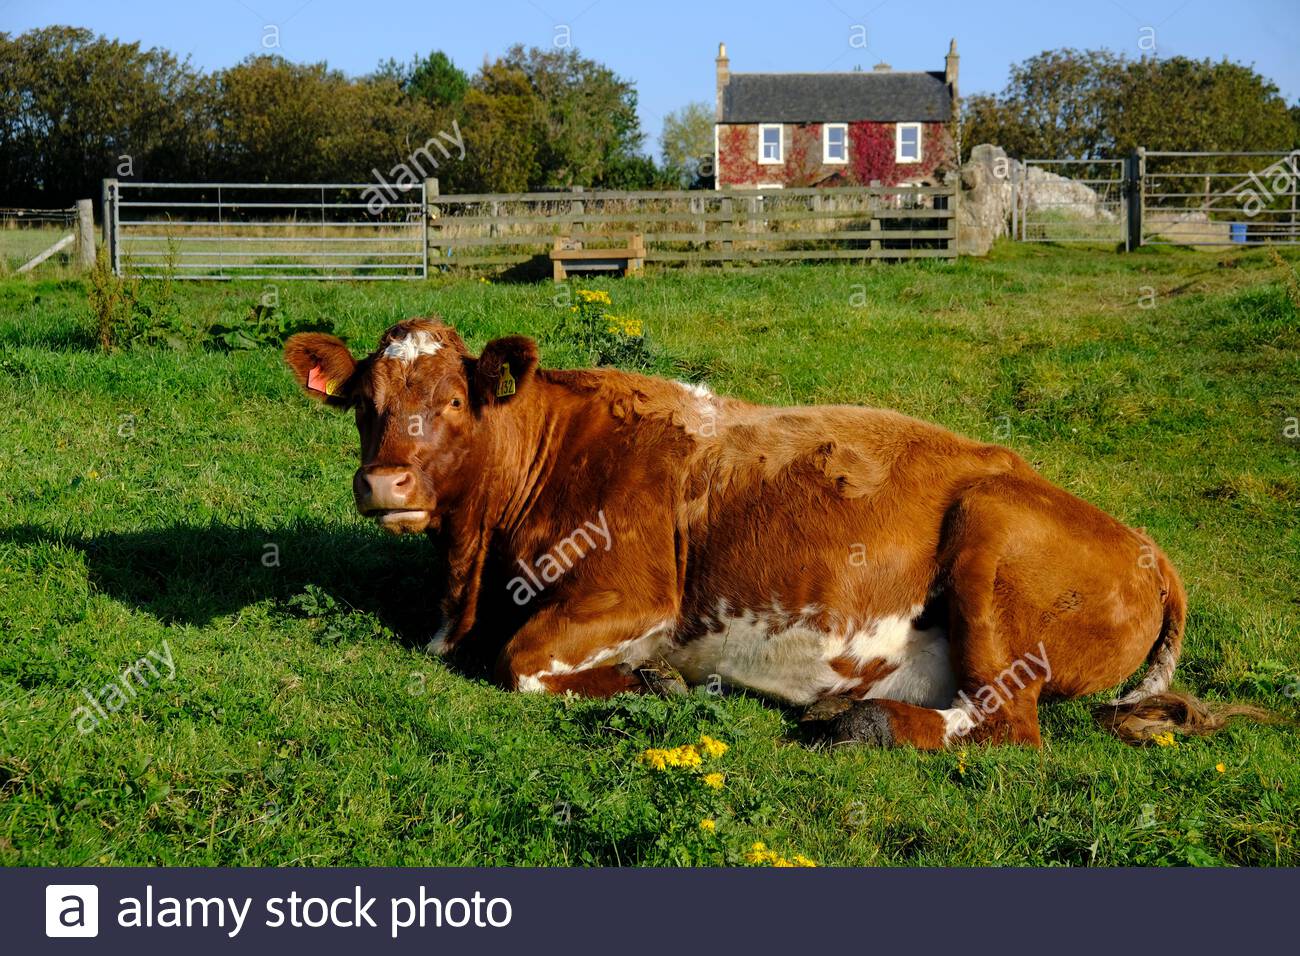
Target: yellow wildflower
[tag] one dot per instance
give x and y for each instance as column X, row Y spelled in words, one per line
column 1166, row 739
column 683, row 756
column 712, row 747
column 708, row 826
column 1221, row 768
column 961, row 763
column 760, row 854
column 659, row 759
column 623, row 326
column 714, row 781
column 594, row 295
column 655, row 759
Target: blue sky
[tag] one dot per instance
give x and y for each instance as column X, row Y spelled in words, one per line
column 667, row 47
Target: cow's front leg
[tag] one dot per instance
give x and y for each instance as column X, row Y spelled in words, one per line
column 560, row 652
column 465, row 560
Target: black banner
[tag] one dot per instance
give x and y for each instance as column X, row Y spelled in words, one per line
column 644, row 911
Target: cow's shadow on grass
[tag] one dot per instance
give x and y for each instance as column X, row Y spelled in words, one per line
column 195, row 574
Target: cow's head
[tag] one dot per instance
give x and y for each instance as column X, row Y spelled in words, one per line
column 420, row 401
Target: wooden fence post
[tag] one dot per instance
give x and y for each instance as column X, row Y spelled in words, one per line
column 431, row 218
column 727, row 224
column 108, row 199
column 875, row 220
column 85, row 233
column 1134, row 190
column 577, row 208
column 953, row 181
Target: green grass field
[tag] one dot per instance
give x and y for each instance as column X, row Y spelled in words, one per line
column 17, row 246
column 192, row 504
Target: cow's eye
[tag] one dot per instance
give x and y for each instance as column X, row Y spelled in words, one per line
column 455, row 403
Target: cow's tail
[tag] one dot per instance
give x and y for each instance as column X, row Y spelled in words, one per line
column 1151, row 708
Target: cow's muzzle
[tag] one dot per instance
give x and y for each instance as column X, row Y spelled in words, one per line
column 390, row 495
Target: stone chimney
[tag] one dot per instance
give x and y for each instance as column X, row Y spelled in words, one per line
column 724, row 75
column 950, row 72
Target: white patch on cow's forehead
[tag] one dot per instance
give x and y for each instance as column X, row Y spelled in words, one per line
column 412, row 346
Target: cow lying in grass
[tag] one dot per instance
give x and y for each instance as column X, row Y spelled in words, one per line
column 906, row 584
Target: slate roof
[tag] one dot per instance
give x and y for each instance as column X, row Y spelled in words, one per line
column 836, row 97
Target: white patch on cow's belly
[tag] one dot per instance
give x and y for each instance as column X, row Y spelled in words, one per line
column 793, row 663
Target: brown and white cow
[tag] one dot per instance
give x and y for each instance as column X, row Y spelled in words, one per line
column 911, row 585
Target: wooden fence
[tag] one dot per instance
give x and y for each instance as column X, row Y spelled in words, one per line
column 679, row 226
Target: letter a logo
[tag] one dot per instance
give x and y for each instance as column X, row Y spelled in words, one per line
column 71, row 909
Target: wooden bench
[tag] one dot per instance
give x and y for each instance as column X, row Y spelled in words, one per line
column 569, row 254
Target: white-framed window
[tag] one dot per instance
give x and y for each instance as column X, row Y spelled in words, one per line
column 771, row 150
column 907, row 143
column 835, row 143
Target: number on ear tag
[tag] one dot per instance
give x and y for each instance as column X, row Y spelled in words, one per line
column 507, row 384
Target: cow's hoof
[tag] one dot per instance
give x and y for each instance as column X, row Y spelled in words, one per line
column 866, row 722
column 661, row 678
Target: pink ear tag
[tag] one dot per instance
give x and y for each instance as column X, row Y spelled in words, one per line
column 317, row 381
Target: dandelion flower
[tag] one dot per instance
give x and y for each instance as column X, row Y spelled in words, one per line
column 759, row 853
column 714, row 781
column 708, row 826
column 1221, row 768
column 712, row 747
column 655, row 759
column 684, row 756
column 1166, row 739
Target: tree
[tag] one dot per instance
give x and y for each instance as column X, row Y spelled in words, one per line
column 503, row 130
column 588, row 116
column 1185, row 104
column 687, row 141
column 281, row 121
column 1055, row 104
column 434, row 78
column 1066, row 103
column 76, row 108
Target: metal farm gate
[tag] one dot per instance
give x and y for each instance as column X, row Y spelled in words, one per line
column 1218, row 199
column 266, row 230
column 1160, row 197
column 1069, row 200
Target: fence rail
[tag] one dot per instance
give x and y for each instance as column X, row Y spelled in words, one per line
column 265, row 231
column 680, row 226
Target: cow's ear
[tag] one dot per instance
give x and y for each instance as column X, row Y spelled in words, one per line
column 322, row 364
column 504, row 369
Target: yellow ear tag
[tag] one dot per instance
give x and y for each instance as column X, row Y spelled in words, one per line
column 507, row 384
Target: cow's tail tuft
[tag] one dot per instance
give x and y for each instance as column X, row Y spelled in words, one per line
column 1151, row 708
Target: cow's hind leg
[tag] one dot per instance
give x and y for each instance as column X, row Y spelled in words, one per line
column 992, row 630
column 888, row 723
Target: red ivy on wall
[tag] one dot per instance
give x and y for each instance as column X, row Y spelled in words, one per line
column 873, row 148
column 871, row 156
